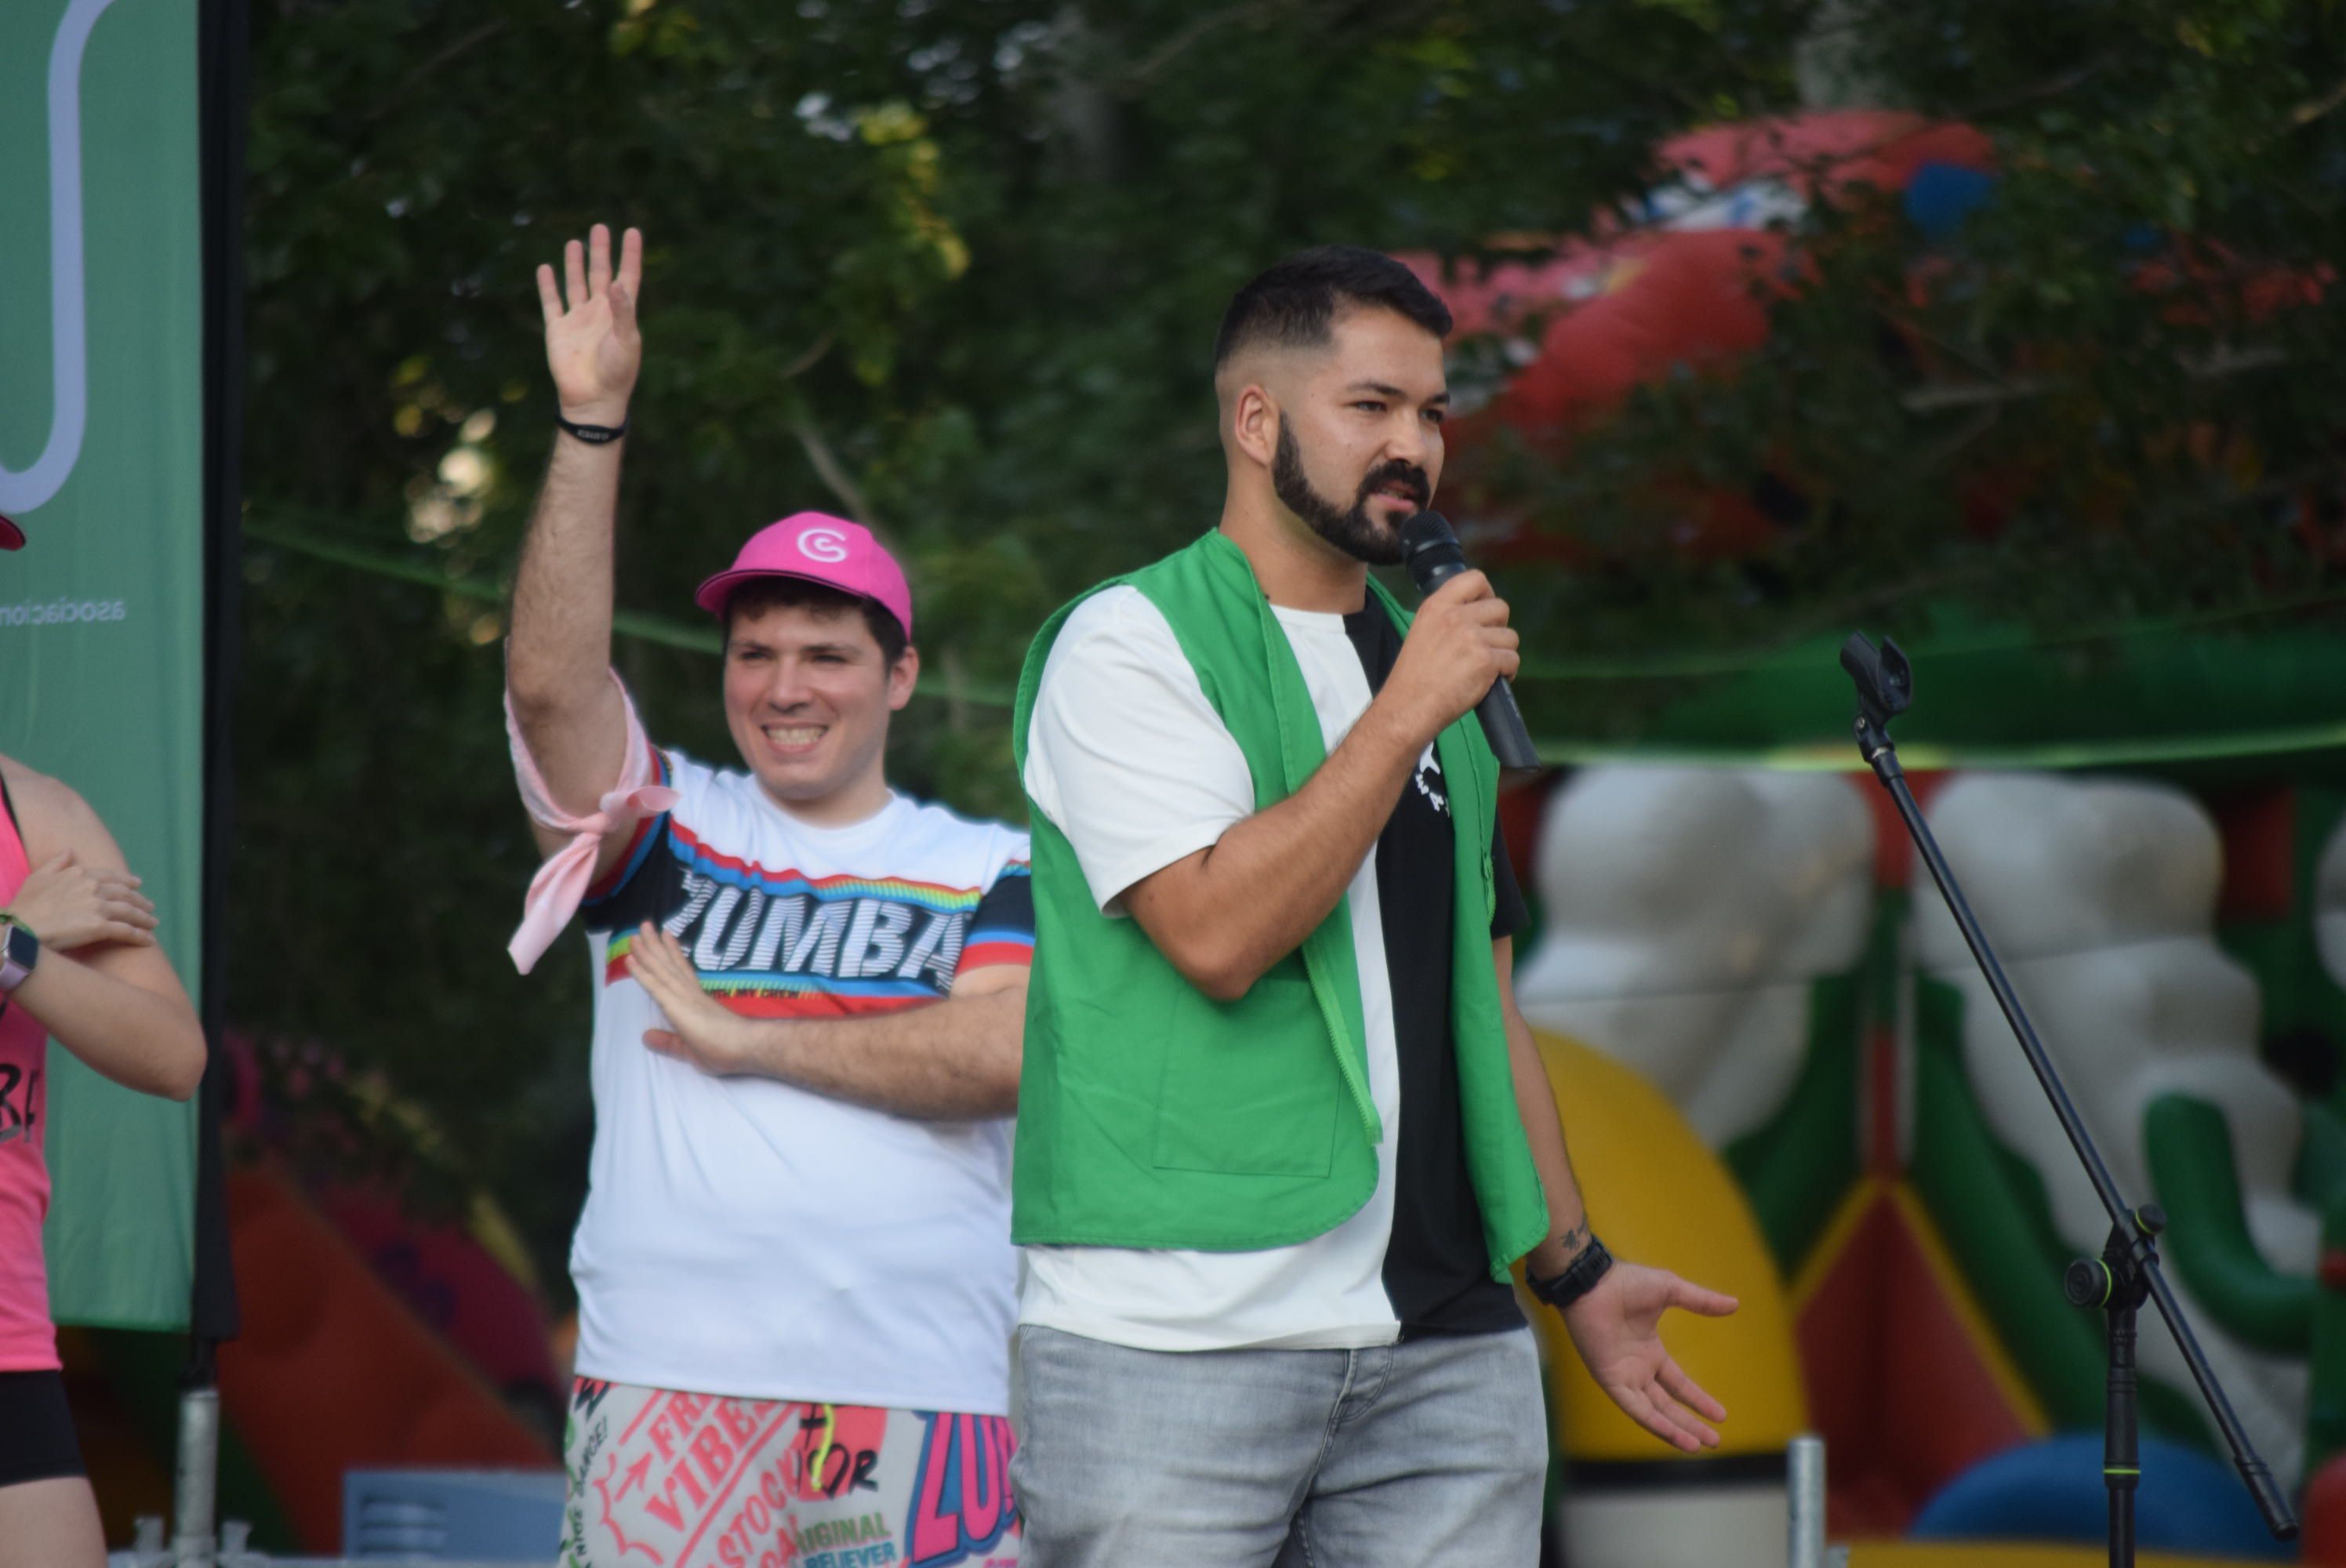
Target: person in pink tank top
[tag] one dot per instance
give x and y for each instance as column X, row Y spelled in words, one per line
column 78, row 963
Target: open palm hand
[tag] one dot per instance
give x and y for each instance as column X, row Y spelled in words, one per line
column 1615, row 1329
column 592, row 344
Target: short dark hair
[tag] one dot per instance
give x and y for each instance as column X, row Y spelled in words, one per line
column 760, row 594
column 1294, row 303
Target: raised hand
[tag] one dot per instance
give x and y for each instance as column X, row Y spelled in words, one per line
column 1614, row 1328
column 68, row 905
column 593, row 346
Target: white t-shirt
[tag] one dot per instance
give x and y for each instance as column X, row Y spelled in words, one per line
column 748, row 1238
column 1128, row 757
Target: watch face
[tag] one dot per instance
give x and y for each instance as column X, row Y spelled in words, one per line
column 18, row 947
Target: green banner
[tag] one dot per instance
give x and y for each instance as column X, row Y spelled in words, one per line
column 102, row 613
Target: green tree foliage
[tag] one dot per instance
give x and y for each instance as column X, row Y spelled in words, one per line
column 2115, row 393
column 954, row 266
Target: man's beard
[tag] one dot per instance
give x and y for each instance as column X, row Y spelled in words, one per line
column 1353, row 531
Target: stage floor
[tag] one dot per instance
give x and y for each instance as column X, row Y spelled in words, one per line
column 1981, row 1554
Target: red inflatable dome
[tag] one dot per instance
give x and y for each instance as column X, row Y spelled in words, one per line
column 1682, row 277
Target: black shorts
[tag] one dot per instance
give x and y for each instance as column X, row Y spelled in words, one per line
column 37, row 1430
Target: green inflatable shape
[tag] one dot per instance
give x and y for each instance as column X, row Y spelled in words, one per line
column 2175, row 691
column 2319, row 1178
column 1991, row 1205
column 1795, row 1165
column 2194, row 1179
column 2325, row 1413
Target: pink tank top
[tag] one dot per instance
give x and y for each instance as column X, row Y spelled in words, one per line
column 28, row 1342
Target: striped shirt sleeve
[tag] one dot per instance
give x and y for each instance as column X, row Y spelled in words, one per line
column 1003, row 930
column 647, row 832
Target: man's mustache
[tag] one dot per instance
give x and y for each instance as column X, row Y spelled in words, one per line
column 1407, row 474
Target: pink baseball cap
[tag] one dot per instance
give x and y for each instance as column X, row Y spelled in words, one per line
column 818, row 548
column 11, row 536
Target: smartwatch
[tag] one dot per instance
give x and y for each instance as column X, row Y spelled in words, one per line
column 1577, row 1280
column 20, row 950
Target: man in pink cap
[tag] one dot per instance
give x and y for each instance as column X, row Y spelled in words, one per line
column 794, row 1272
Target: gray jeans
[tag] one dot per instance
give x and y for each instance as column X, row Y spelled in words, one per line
column 1395, row 1456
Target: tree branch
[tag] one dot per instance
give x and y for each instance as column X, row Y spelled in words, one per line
column 809, row 359
column 2312, row 109
column 2037, row 92
column 414, row 78
column 1943, row 395
column 1945, row 451
column 1153, row 63
column 833, row 473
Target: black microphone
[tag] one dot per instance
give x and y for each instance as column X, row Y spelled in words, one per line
column 1432, row 553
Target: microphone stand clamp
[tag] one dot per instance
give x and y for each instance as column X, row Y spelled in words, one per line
column 1885, row 688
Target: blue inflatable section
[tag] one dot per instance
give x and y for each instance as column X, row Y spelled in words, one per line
column 1941, row 195
column 2052, row 1491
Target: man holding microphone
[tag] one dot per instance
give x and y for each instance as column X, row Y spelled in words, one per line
column 1283, row 1130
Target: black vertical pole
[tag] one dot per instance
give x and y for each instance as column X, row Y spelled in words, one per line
column 2118, row 1283
column 213, row 1314
column 2121, row 1458
column 212, row 1309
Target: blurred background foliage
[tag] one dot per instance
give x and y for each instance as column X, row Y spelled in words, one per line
column 953, row 267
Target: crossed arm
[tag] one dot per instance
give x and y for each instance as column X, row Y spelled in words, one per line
column 947, row 1060
column 102, row 988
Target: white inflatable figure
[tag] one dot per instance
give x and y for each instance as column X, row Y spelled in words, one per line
column 2329, row 905
column 2099, row 898
column 1686, row 912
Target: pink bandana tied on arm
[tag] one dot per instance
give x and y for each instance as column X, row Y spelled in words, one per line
column 561, row 883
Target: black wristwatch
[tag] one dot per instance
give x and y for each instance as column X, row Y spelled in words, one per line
column 20, row 950
column 1579, row 1277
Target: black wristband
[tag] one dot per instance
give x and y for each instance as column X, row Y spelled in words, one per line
column 1579, row 1277
column 592, row 435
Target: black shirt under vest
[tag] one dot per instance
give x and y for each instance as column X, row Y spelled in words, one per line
column 1437, row 1266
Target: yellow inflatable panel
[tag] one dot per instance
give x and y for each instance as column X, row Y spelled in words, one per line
column 1977, row 1555
column 1658, row 1195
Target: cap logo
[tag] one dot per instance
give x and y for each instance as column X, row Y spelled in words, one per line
column 825, row 545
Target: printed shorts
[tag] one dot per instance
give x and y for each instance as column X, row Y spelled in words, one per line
column 658, row 1479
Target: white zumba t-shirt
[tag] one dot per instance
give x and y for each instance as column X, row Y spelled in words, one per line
column 742, row 1236
column 1128, row 757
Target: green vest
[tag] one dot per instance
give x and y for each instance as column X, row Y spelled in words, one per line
column 1151, row 1116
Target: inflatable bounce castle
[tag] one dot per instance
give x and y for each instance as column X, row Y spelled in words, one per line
column 1781, row 1072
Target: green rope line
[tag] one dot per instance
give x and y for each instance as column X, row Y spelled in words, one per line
column 1804, row 653
column 691, row 636
column 1813, row 758
column 2133, row 751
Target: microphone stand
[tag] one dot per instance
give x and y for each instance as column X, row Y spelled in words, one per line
column 2127, row 1274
